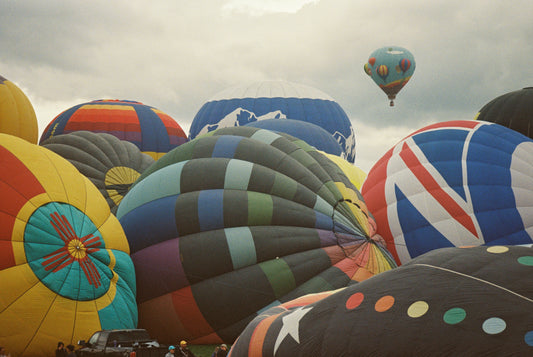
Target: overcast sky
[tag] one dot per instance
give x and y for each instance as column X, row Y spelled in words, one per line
column 175, row 55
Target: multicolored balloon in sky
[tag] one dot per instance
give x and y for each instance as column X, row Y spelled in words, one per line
column 154, row 132
column 236, row 221
column 17, row 116
column 390, row 68
column 457, row 183
column 258, row 101
column 65, row 269
column 449, row 302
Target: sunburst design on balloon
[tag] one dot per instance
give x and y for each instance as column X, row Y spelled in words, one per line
column 75, row 249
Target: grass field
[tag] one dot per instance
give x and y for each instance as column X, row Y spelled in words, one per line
column 203, row 350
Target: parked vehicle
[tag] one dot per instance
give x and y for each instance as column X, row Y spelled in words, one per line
column 123, row 343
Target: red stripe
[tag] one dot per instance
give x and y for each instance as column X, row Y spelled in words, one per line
column 189, row 312
column 433, row 188
column 467, row 124
column 17, row 186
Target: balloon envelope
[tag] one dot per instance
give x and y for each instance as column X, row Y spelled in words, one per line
column 65, row 268
column 111, row 164
column 17, row 116
column 457, row 183
column 151, row 130
column 513, row 110
column 390, row 67
column 310, row 133
column 451, row 301
column 241, row 105
column 237, row 220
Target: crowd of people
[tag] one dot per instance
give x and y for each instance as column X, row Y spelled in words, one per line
column 62, row 351
column 183, row 351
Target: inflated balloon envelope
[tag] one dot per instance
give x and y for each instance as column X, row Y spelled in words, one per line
column 266, row 100
column 17, row 116
column 65, row 269
column 449, row 302
column 236, row 221
column 455, row 183
column 150, row 129
column 390, row 67
column 111, row 164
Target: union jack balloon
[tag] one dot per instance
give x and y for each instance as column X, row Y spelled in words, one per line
column 456, row 183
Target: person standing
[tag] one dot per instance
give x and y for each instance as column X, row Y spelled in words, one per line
column 70, row 351
column 170, row 352
column 183, row 350
column 222, row 351
column 61, row 351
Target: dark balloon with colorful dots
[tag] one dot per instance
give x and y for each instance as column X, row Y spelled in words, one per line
column 448, row 302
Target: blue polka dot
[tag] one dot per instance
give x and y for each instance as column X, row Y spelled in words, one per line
column 529, row 338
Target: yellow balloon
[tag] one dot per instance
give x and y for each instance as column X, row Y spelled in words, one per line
column 354, row 174
column 65, row 268
column 17, row 116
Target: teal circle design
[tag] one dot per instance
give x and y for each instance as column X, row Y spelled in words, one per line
column 529, row 338
column 454, row 316
column 494, row 325
column 526, row 260
column 51, row 230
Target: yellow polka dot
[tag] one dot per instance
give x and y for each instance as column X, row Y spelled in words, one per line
column 497, row 249
column 417, row 309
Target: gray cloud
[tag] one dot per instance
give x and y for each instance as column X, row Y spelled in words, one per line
column 175, row 55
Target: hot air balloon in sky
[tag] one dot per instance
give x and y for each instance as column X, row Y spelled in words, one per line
column 154, row 132
column 457, row 183
column 390, row 67
column 238, row 220
column 449, row 302
column 17, row 116
column 244, row 104
column 65, row 269
column 513, row 110
column 111, row 164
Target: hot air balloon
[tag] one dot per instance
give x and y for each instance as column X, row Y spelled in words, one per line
column 111, row 164
column 448, row 302
column 390, row 67
column 151, row 130
column 65, row 269
column 235, row 221
column 457, row 183
column 17, row 116
column 310, row 133
column 513, row 110
column 258, row 101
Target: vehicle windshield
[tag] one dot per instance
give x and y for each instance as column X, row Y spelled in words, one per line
column 127, row 337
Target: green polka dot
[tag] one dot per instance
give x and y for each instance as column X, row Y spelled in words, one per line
column 526, row 260
column 454, row 316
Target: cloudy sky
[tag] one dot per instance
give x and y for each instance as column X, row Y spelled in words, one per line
column 175, row 55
